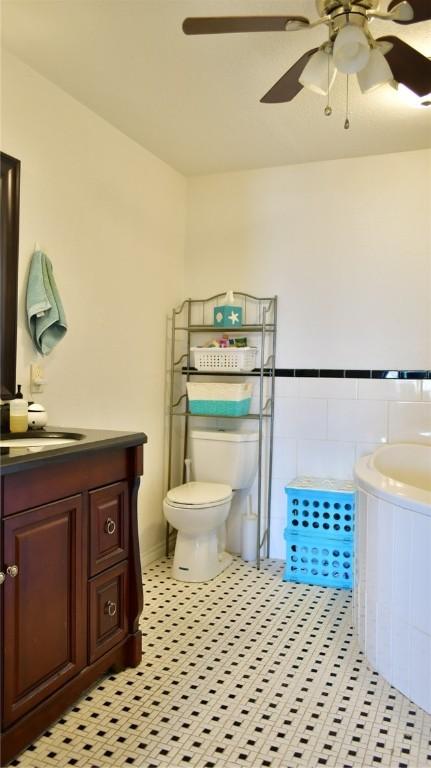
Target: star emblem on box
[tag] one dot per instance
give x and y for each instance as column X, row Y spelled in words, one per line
column 234, row 317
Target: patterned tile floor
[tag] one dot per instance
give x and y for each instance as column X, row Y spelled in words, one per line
column 246, row 670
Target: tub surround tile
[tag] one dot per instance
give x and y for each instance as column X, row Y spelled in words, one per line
column 393, row 618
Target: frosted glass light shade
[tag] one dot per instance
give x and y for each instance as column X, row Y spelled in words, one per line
column 377, row 72
column 315, row 75
column 351, row 50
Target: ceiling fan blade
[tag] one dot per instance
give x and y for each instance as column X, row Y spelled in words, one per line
column 221, row 24
column 421, row 11
column 408, row 66
column 288, row 86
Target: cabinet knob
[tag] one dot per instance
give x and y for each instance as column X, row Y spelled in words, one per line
column 110, row 608
column 12, row 571
column 2, row 577
column 110, row 526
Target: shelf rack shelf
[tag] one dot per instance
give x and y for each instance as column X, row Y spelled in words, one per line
column 194, row 316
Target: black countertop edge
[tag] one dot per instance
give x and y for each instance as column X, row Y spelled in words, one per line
column 339, row 373
column 93, row 440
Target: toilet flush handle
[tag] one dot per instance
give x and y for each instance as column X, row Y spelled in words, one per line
column 188, row 465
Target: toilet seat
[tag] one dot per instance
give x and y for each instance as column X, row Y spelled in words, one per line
column 198, row 494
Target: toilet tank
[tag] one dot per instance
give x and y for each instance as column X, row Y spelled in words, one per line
column 221, row 456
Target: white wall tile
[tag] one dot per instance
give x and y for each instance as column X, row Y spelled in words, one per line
column 357, row 420
column 286, row 386
column 278, row 499
column 389, row 389
column 324, row 458
column 284, row 458
column 410, row 422
column 277, row 545
column 300, row 418
column 329, row 388
column 364, row 449
column 426, row 390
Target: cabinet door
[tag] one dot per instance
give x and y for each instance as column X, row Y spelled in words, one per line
column 108, row 610
column 109, row 526
column 44, row 603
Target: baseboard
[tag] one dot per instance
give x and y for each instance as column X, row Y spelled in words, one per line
column 156, row 552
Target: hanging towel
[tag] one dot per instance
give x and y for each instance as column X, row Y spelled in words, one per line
column 45, row 313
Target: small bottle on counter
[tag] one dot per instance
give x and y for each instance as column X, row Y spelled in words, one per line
column 18, row 413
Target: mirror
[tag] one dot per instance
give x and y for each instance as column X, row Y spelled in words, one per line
column 9, row 234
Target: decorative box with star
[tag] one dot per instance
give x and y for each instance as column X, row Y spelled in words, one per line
column 227, row 316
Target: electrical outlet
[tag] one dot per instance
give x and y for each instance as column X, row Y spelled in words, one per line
column 37, row 378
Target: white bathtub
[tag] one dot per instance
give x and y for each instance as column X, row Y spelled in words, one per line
column 392, row 591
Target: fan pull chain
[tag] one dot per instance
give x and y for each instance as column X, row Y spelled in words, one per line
column 347, row 121
column 328, row 108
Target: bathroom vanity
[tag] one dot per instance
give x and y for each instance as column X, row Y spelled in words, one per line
column 70, row 575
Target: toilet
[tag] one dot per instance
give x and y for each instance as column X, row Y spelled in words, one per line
column 221, row 461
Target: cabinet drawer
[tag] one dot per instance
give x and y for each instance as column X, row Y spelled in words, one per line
column 108, row 610
column 109, row 526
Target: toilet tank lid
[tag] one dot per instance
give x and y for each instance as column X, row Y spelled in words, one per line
column 232, row 436
column 199, row 493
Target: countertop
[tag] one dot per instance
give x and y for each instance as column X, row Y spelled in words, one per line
column 20, row 458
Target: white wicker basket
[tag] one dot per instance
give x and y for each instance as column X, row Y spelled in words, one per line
column 224, row 358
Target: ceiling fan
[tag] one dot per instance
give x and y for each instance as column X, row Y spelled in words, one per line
column 350, row 47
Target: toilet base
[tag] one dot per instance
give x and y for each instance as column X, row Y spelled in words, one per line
column 198, row 559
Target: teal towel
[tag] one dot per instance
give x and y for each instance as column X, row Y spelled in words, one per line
column 45, row 313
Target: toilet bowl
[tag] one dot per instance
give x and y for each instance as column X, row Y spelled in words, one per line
column 198, row 511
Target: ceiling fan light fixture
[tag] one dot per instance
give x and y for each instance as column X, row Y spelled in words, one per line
column 351, row 50
column 319, row 73
column 412, row 99
column 376, row 73
column 403, row 12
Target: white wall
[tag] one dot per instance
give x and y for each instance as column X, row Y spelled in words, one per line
column 111, row 217
column 345, row 244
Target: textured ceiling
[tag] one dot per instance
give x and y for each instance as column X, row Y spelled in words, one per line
column 194, row 101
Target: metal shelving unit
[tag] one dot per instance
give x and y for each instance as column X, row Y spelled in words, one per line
column 194, row 317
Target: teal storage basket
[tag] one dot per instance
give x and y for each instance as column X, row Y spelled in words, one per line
column 216, row 399
column 220, row 407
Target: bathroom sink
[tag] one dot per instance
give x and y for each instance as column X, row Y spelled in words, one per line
column 39, row 439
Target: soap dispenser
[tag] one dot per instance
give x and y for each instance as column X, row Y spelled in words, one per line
column 18, row 413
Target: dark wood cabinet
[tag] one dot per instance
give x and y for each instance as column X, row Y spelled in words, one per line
column 71, row 596
column 45, row 617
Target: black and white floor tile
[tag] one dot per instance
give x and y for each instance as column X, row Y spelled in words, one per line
column 246, row 670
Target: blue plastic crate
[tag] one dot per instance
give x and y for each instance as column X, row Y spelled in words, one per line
column 320, row 511
column 323, row 562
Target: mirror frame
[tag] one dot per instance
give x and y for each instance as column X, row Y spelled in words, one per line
column 9, row 241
